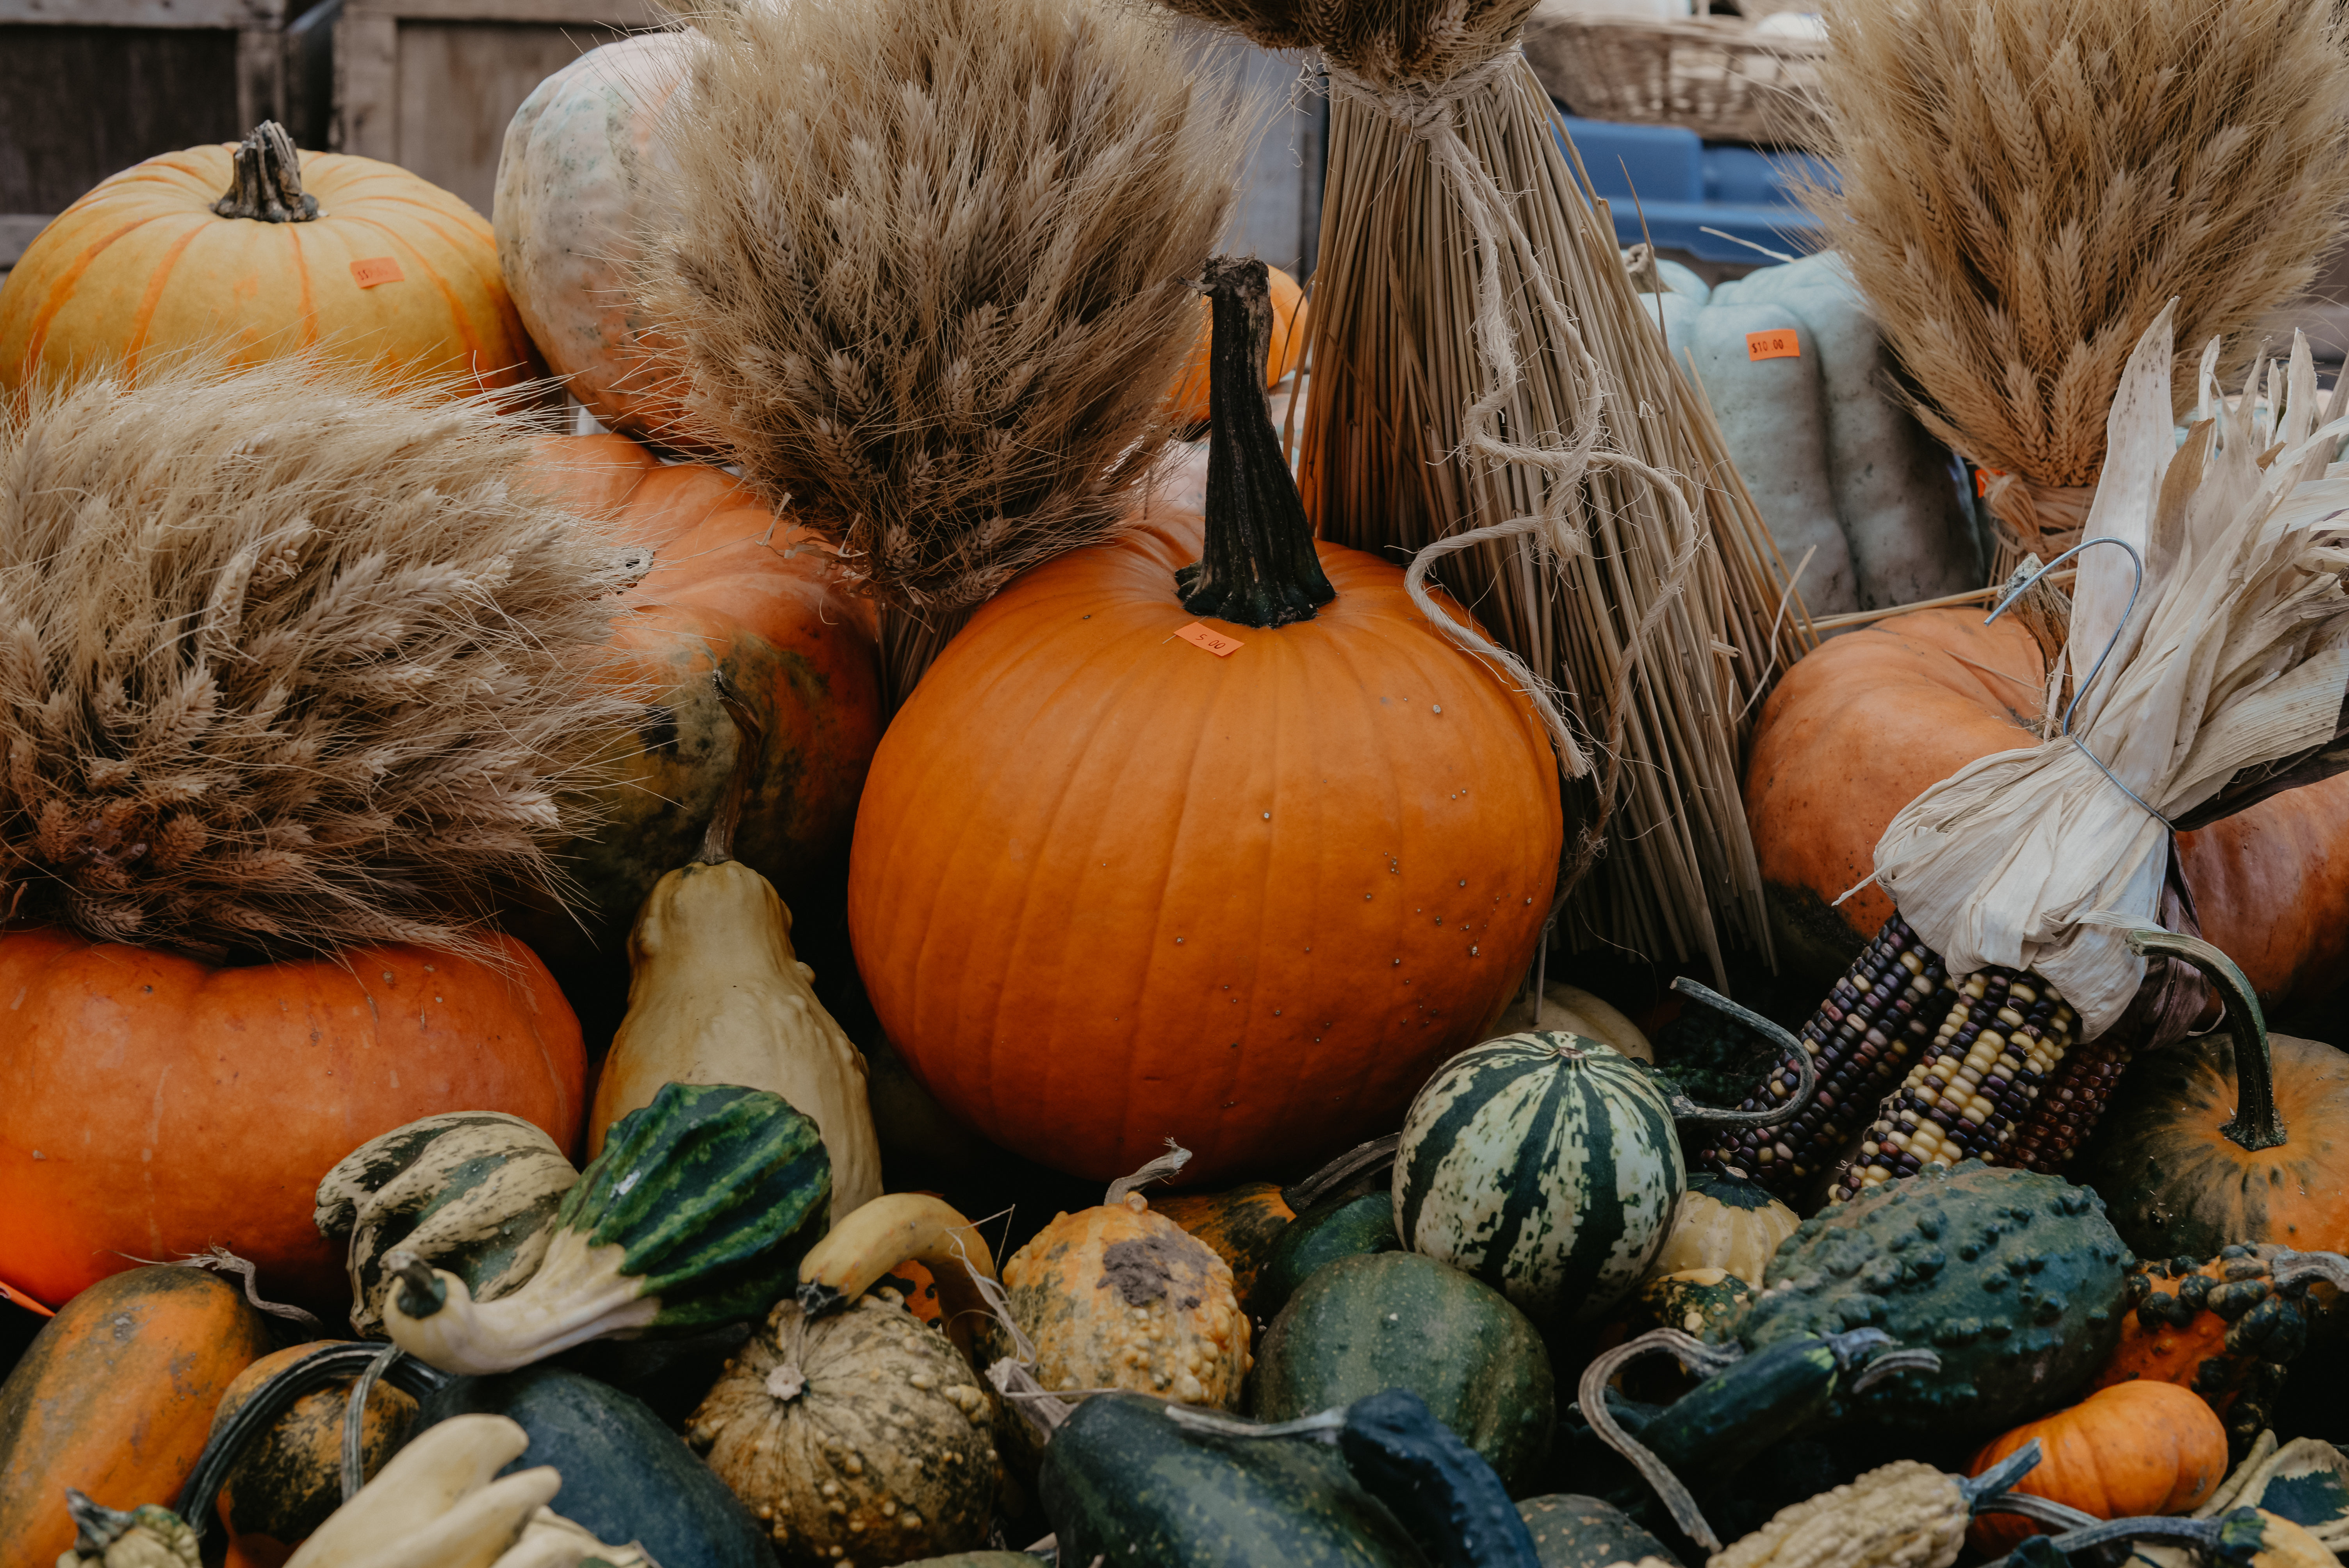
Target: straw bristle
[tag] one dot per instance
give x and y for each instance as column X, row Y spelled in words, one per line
column 928, row 267
column 2025, row 184
column 1386, row 41
column 285, row 662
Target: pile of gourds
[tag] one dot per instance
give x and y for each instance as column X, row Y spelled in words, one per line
column 1528, row 1325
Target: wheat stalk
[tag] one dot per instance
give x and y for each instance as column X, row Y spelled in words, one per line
column 287, row 661
column 1551, row 467
column 927, row 271
column 2025, row 186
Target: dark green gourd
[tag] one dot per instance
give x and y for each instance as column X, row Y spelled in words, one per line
column 1340, row 1228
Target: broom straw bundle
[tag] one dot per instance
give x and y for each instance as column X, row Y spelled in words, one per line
column 2026, row 186
column 926, row 268
column 1492, row 402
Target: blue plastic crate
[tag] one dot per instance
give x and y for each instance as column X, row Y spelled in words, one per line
column 1683, row 186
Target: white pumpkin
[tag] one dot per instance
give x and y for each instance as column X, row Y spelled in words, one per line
column 580, row 183
column 1839, row 466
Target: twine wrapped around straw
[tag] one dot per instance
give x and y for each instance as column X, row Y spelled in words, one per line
column 1491, row 401
column 2231, row 657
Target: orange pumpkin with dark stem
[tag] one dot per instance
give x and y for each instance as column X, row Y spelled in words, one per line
column 384, row 269
column 115, row 1397
column 1288, row 346
column 1113, row 884
column 2131, row 1450
column 1874, row 717
column 737, row 588
column 152, row 1105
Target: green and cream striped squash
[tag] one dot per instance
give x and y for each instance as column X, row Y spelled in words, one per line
column 1544, row 1164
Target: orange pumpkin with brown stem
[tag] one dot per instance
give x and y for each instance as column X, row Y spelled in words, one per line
column 2130, row 1449
column 1131, row 865
column 1873, row 718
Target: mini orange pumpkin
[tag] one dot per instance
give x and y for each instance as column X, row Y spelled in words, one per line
column 153, row 1105
column 387, row 270
column 2129, row 1450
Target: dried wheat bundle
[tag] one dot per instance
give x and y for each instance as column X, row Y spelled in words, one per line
column 1491, row 400
column 928, row 264
column 2026, row 186
column 285, row 661
column 2233, row 660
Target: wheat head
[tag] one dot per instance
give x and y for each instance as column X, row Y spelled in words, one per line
column 927, row 268
column 2024, row 185
column 287, row 661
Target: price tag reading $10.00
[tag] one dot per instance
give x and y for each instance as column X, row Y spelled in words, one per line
column 1778, row 343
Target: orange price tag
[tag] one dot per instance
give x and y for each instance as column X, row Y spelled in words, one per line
column 1216, row 642
column 382, row 270
column 1780, row 345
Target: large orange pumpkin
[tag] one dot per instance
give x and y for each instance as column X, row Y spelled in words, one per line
column 1111, row 885
column 580, row 183
column 392, row 272
column 737, row 588
column 115, row 1397
column 1866, row 723
column 152, row 1105
column 2130, row 1449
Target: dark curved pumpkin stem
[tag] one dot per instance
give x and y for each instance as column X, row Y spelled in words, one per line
column 750, row 741
column 2256, row 1124
column 2235, row 1537
column 1259, row 568
column 268, row 185
column 1806, row 1069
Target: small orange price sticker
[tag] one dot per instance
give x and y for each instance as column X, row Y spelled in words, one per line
column 1216, row 642
column 1781, row 343
column 382, row 270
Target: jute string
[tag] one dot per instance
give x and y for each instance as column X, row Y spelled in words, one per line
column 2029, row 519
column 1425, row 111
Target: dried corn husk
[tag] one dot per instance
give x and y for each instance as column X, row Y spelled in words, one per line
column 2235, row 657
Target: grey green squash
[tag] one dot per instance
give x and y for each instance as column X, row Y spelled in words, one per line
column 1396, row 1319
column 1544, row 1164
column 2016, row 1281
column 1325, row 1232
column 1575, row 1531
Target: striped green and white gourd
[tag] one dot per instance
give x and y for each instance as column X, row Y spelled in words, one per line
column 1546, row 1165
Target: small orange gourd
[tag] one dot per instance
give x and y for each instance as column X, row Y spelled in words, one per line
column 2224, row 1328
column 2132, row 1448
column 114, row 1397
column 1241, row 1225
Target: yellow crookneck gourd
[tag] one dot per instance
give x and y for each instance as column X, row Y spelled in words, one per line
column 715, row 995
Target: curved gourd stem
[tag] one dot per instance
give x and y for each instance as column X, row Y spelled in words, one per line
column 1356, row 1162
column 256, row 1415
column 1260, row 567
column 2256, row 1124
column 2212, row 1536
column 2001, row 1475
column 2288, row 1268
column 1591, row 1394
column 2045, row 1510
column 750, row 741
column 267, row 186
column 355, row 1420
column 1807, row 1070
column 1164, row 1167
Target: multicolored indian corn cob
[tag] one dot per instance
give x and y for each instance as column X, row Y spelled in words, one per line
column 1976, row 1065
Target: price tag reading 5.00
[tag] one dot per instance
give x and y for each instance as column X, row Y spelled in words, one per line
column 1216, row 642
column 1781, row 343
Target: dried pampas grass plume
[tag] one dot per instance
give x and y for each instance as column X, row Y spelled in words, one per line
column 927, row 268
column 2026, row 185
column 286, row 661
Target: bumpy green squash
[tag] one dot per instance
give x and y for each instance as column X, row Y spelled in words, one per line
column 1123, row 1483
column 2016, row 1281
column 473, row 1192
column 1572, row 1532
column 1544, row 1164
column 1339, row 1228
column 1397, row 1320
column 697, row 1213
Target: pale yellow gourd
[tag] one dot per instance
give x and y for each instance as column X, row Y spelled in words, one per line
column 715, row 995
column 1571, row 1010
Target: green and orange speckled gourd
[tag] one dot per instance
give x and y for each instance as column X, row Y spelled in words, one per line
column 2016, row 1281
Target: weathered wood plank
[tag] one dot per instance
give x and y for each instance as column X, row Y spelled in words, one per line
column 77, row 104
column 366, row 85
column 146, row 12
column 459, row 84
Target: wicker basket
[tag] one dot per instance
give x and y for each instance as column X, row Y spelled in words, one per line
column 1716, row 75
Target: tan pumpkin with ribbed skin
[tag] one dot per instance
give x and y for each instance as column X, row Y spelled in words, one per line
column 1120, row 1297
column 860, row 1437
column 290, row 1477
column 141, row 266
